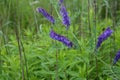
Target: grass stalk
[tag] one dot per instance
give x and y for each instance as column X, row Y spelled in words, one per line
column 0, row 62
column 5, row 42
column 89, row 18
column 20, row 53
column 35, row 19
column 25, row 58
column 96, row 60
column 0, row 52
column 56, row 64
column 22, row 47
column 114, row 4
column 113, row 14
column 17, row 20
column 89, row 34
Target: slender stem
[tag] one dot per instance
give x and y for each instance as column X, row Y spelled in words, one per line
column 35, row 17
column 25, row 58
column 4, row 39
column 96, row 67
column 114, row 20
column 86, row 71
column 22, row 48
column 51, row 9
column 16, row 24
column 95, row 5
column 95, row 19
column 81, row 18
column 80, row 25
column 106, row 15
column 113, row 10
column 89, row 18
column 20, row 52
column 0, row 62
column 56, row 64
column 89, row 34
column 0, row 53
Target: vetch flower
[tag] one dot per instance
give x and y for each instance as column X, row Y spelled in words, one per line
column 117, row 57
column 104, row 36
column 65, row 17
column 45, row 14
column 60, row 38
column 60, row 1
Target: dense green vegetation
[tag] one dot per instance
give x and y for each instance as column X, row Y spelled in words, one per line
column 28, row 53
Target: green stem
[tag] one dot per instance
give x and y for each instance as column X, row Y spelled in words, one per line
column 25, row 58
column 17, row 30
column 89, row 18
column 95, row 5
column 20, row 52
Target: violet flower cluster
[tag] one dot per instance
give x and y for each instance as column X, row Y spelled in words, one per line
column 65, row 17
column 46, row 15
column 65, row 21
column 60, row 38
column 104, row 36
column 117, row 57
column 107, row 33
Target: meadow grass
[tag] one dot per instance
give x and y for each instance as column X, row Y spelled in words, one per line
column 28, row 53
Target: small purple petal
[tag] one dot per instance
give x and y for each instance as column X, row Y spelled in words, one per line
column 46, row 15
column 60, row 1
column 65, row 17
column 104, row 36
column 117, row 57
column 60, row 38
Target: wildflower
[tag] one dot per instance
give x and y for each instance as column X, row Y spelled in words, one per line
column 104, row 36
column 45, row 14
column 60, row 1
column 65, row 17
column 60, row 38
column 117, row 57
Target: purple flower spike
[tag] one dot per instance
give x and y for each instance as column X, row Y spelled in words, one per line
column 104, row 36
column 60, row 38
column 45, row 14
column 65, row 17
column 117, row 57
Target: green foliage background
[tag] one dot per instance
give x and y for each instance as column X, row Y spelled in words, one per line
column 39, row 50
